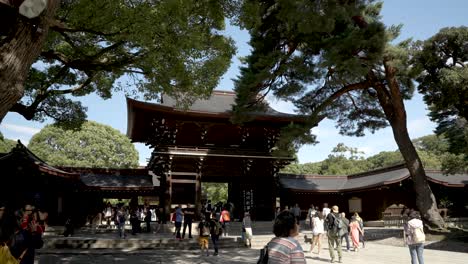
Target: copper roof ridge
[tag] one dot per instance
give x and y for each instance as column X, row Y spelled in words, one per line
column 41, row 164
column 355, row 175
column 170, row 109
column 379, row 170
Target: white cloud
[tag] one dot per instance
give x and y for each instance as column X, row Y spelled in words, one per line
column 21, row 129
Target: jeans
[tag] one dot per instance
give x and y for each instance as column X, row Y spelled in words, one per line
column 121, row 227
column 178, row 225
column 225, row 226
column 345, row 236
column 215, row 239
column 416, row 251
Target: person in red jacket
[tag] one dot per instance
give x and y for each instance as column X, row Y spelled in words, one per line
column 225, row 220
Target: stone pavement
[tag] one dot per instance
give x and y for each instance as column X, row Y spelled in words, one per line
column 373, row 253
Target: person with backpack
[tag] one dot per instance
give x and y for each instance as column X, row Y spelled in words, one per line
column 415, row 237
column 215, row 230
column 208, row 210
column 335, row 229
column 204, row 235
column 225, row 220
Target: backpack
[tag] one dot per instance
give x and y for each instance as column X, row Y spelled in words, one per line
column 217, row 229
column 337, row 226
column 418, row 235
column 263, row 259
column 226, row 217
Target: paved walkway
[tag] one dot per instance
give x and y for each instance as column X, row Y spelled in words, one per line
column 373, row 253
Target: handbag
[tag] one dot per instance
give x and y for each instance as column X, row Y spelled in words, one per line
column 263, row 259
column 7, row 258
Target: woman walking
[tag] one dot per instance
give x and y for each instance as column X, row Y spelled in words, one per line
column 356, row 230
column 415, row 237
column 317, row 232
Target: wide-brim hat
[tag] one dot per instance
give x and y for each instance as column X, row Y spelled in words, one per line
column 335, row 209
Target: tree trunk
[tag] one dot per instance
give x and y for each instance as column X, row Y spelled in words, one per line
column 391, row 100
column 19, row 53
column 425, row 199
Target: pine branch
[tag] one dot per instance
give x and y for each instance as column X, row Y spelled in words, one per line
column 72, row 90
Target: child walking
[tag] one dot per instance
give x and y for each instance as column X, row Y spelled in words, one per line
column 204, row 235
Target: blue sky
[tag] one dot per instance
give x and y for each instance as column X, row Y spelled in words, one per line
column 421, row 19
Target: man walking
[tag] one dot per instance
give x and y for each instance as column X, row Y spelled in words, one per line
column 335, row 229
column 345, row 231
column 296, row 210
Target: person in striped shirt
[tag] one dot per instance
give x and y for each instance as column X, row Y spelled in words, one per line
column 284, row 248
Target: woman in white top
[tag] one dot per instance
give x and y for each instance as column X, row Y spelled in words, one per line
column 415, row 237
column 317, row 231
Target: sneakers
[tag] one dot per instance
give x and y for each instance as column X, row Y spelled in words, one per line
column 215, row 254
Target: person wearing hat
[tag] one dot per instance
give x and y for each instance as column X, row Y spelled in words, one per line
column 335, row 229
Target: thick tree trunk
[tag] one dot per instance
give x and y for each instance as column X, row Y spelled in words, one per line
column 391, row 101
column 425, row 199
column 19, row 53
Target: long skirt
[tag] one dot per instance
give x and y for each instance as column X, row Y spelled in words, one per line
column 355, row 237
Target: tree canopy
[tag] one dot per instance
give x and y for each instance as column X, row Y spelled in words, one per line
column 432, row 149
column 216, row 192
column 333, row 59
column 442, row 64
column 93, row 145
column 174, row 47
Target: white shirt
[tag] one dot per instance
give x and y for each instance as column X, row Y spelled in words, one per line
column 325, row 212
column 318, row 226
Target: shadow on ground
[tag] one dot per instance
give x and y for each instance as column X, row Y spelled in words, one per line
column 455, row 240
column 151, row 256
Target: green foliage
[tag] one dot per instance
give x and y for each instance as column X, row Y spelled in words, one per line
column 385, row 159
column 443, row 76
column 172, row 47
column 441, row 64
column 432, row 143
column 216, row 192
column 344, row 160
column 6, row 144
column 93, row 145
column 305, row 52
